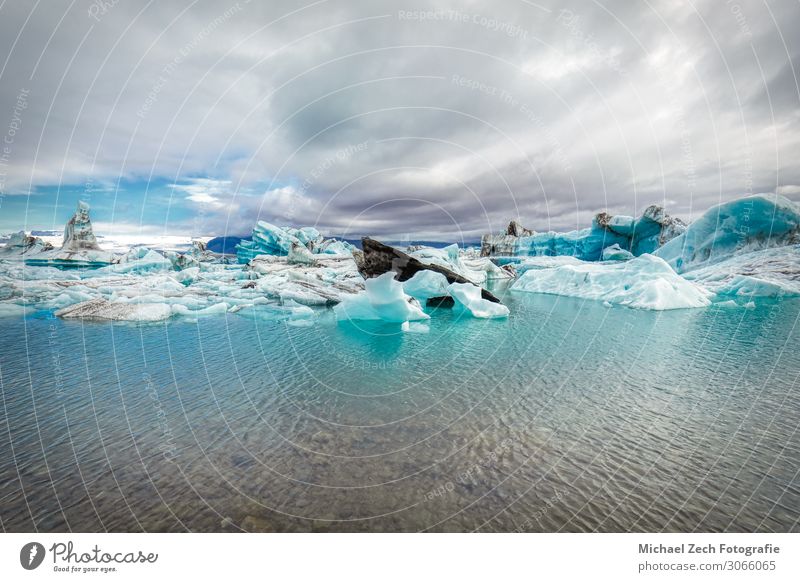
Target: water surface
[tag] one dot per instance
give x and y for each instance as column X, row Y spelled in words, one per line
column 568, row 416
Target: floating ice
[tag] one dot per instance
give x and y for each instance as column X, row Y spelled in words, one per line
column 468, row 298
column 21, row 244
column 426, row 284
column 415, row 327
column 638, row 235
column 733, row 228
column 383, row 298
column 141, row 260
column 103, row 309
column 474, row 268
column 615, row 253
column 80, row 248
column 645, row 282
column 771, row 272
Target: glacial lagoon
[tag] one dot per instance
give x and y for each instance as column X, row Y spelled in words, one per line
column 566, row 416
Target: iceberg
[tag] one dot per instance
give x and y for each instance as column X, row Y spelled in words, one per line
column 325, row 282
column 468, row 299
column 269, row 239
column 615, row 253
column 103, row 309
column 475, row 269
column 744, row 225
column 79, row 249
column 382, row 299
column 637, row 235
column 20, row 243
column 586, row 244
column 378, row 258
column 772, row 272
column 426, row 284
column 645, row 282
column 140, row 260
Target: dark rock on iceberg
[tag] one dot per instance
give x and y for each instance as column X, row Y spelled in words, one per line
column 379, row 258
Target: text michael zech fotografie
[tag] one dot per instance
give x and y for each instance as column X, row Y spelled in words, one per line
column 708, row 549
column 65, row 555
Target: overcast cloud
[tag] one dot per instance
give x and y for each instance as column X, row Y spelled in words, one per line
column 376, row 118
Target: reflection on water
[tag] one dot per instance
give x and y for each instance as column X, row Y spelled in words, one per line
column 566, row 417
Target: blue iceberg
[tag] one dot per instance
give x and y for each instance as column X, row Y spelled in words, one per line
column 635, row 235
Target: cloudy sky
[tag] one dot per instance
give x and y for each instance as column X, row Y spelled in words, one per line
column 432, row 120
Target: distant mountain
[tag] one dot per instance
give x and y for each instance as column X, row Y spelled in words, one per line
column 225, row 244
column 405, row 243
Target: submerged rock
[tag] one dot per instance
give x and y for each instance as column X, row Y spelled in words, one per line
column 379, row 258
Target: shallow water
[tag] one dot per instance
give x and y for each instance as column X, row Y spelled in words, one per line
column 568, row 416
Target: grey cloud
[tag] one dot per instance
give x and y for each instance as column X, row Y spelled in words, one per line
column 560, row 112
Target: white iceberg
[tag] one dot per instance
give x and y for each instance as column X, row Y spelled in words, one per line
column 473, row 268
column 467, row 297
column 771, row 272
column 383, row 298
column 615, row 253
column 645, row 282
column 426, row 284
column 103, row 309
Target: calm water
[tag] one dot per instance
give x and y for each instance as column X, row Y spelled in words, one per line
column 569, row 416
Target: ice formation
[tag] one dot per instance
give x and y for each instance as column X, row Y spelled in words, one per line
column 736, row 252
column 383, row 298
column 475, row 269
column 269, row 239
column 645, row 282
column 378, row 258
column 746, row 247
column 734, row 228
column 326, row 282
column 79, row 249
column 615, row 253
column 468, row 298
column 21, row 244
column 772, row 272
column 426, row 284
column 637, row 235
